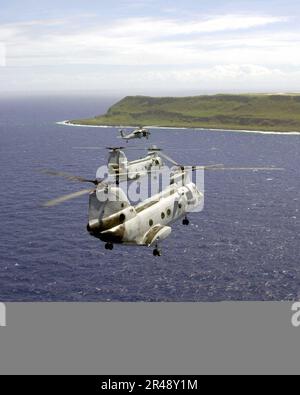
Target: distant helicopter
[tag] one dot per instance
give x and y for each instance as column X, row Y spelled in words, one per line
column 114, row 220
column 138, row 133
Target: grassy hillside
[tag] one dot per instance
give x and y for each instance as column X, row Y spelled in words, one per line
column 252, row 112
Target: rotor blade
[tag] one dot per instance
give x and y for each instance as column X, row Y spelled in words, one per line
column 154, row 148
column 169, row 159
column 65, row 198
column 115, row 148
column 194, row 168
column 68, row 176
column 206, row 167
column 249, row 169
column 129, row 148
column 88, row 148
column 152, row 171
column 216, row 168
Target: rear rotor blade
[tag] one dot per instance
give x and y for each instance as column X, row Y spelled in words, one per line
column 219, row 168
column 169, row 159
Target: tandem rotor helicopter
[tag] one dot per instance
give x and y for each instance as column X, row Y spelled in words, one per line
column 114, row 220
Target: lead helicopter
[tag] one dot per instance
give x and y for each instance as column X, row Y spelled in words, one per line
column 138, row 133
column 115, row 221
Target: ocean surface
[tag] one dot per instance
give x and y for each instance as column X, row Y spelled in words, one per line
column 245, row 245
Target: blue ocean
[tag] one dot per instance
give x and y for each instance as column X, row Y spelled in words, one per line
column 244, row 246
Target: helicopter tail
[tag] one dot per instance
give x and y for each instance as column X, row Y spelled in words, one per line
column 117, row 161
column 106, row 205
column 122, row 134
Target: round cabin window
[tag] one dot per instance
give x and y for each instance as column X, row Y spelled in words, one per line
column 163, row 215
column 151, row 222
column 169, row 212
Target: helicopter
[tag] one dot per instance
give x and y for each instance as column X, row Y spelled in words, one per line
column 119, row 166
column 138, row 133
column 115, row 221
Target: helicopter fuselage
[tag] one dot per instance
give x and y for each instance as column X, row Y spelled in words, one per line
column 147, row 223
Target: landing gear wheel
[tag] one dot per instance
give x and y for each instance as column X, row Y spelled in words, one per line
column 109, row 246
column 157, row 252
column 185, row 222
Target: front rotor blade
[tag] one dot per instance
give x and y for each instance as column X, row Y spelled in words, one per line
column 68, row 176
column 65, row 198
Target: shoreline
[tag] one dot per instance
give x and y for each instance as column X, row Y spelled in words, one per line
column 294, row 133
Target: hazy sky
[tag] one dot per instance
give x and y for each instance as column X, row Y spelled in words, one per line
column 150, row 46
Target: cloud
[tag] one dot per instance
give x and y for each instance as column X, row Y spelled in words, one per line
column 94, row 47
column 2, row 55
column 151, row 27
column 201, row 51
column 129, row 41
column 136, row 80
column 221, row 72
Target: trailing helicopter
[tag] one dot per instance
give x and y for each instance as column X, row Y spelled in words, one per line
column 119, row 165
column 115, row 221
column 138, row 133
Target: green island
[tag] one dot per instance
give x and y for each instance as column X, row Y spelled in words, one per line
column 263, row 112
